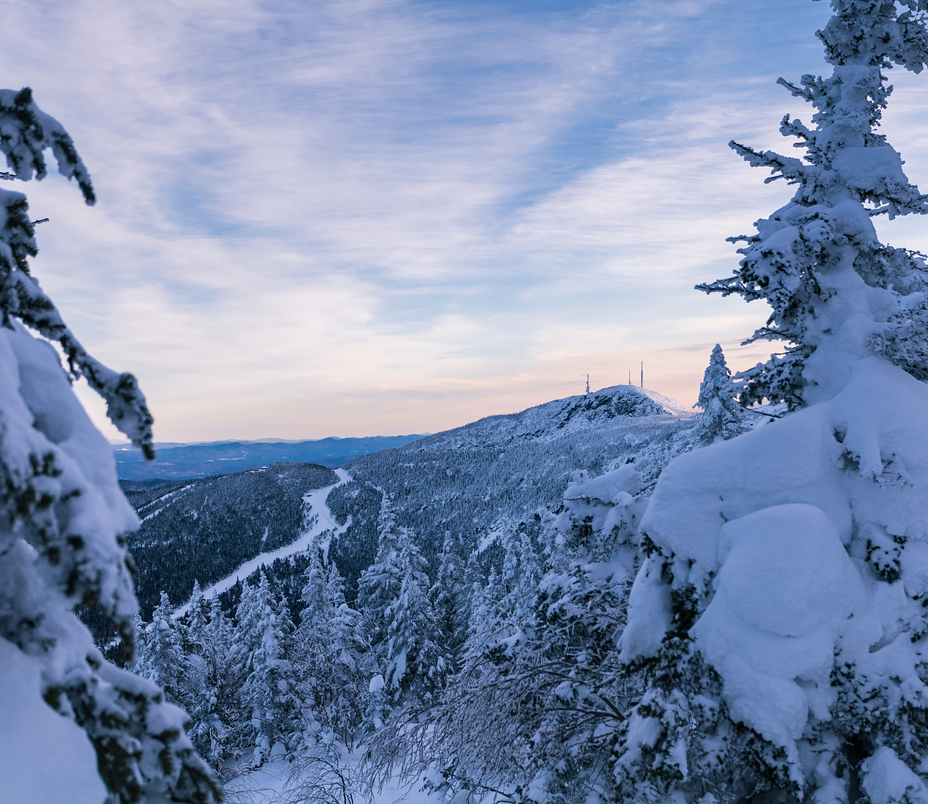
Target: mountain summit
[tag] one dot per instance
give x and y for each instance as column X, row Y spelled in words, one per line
column 574, row 413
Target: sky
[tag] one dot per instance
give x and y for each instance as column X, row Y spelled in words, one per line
column 373, row 217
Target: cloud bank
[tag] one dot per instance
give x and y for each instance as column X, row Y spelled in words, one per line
column 380, row 216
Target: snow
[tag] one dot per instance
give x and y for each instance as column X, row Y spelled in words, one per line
column 785, row 587
column 649, row 600
column 612, row 488
column 798, row 546
column 322, row 527
column 274, row 783
column 45, row 758
column 887, row 780
column 877, row 170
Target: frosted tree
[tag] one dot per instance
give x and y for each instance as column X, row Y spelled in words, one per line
column 812, row 260
column 163, row 659
column 333, row 654
column 314, row 643
column 63, row 521
column 779, row 614
column 549, row 673
column 448, row 599
column 380, row 583
column 212, row 695
column 520, row 574
column 245, row 638
column 269, row 691
column 414, row 658
column 722, row 415
column 197, row 618
column 315, row 592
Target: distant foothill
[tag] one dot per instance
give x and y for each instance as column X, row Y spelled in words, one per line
column 190, row 461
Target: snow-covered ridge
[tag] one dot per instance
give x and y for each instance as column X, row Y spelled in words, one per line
column 321, row 523
column 571, row 414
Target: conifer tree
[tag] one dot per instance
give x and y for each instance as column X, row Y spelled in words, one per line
column 722, row 417
column 541, row 658
column 315, row 591
column 209, row 697
column 333, row 653
column 314, row 642
column 269, row 691
column 449, row 602
column 245, row 640
column 197, row 619
column 216, row 710
column 164, row 659
column 521, row 574
column 414, row 659
column 817, row 261
column 778, row 614
column 63, row 518
column 380, row 583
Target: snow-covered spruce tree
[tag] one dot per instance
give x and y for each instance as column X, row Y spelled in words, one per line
column 520, row 574
column 161, row 657
column 269, row 691
column 332, row 655
column 415, row 662
column 722, row 416
column 779, row 614
column 211, row 698
column 62, row 525
column 380, row 583
column 449, row 601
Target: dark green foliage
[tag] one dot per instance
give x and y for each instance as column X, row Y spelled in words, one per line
column 203, row 530
column 353, row 551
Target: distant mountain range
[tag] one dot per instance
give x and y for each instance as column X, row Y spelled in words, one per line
column 190, row 461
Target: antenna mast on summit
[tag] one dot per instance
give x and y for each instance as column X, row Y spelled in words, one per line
column 629, row 376
column 588, row 383
column 642, row 373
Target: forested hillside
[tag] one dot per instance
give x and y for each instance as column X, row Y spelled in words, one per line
column 202, row 530
column 502, row 473
column 446, row 540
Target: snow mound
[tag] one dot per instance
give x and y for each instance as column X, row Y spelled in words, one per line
column 785, row 586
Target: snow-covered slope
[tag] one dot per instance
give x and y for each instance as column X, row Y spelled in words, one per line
column 505, row 471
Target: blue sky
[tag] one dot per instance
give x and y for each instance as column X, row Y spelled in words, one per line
column 376, row 216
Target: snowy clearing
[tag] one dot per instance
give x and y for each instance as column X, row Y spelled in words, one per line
column 281, row 782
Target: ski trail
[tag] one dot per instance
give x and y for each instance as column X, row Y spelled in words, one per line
column 322, row 521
